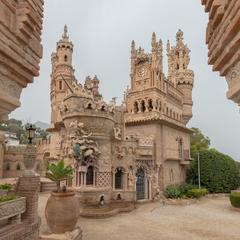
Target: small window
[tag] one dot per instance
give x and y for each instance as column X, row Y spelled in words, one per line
column 65, row 58
column 143, row 107
column 150, row 105
column 135, row 108
column 60, row 85
column 89, row 106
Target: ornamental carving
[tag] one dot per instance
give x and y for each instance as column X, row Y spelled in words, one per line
column 233, row 77
column 12, row 208
column 84, row 150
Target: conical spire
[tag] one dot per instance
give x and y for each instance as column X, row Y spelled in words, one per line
column 65, row 33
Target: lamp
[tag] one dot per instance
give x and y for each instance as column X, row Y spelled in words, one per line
column 31, row 133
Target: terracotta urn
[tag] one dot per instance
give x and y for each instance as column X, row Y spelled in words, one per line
column 62, row 212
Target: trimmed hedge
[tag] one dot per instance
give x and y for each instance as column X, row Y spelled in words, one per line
column 197, row 193
column 235, row 199
column 219, row 172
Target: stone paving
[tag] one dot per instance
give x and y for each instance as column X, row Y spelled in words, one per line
column 209, row 219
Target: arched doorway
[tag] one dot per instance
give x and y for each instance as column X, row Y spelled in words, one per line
column 140, row 184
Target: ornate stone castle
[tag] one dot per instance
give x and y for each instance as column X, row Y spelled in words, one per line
column 129, row 152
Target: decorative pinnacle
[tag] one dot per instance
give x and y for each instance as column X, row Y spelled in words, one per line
column 179, row 35
column 168, row 46
column 133, row 45
column 65, row 34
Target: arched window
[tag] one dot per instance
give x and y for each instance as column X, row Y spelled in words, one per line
column 118, row 179
column 8, row 167
column 150, row 105
column 160, row 106
column 65, row 58
column 167, row 111
column 103, row 108
column 170, row 112
column 18, row 167
column 89, row 176
column 135, row 107
column 143, row 108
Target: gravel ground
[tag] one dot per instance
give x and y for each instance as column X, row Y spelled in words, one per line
column 209, row 219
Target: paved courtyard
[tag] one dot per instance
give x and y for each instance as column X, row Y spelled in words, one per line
column 209, row 219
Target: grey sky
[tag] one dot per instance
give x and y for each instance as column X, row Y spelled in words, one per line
column 102, row 30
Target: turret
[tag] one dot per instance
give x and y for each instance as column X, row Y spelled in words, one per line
column 62, row 72
column 182, row 76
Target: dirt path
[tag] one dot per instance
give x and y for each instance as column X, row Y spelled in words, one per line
column 209, row 219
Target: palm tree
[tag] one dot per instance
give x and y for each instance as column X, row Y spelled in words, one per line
column 58, row 172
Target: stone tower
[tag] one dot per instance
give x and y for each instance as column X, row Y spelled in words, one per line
column 179, row 74
column 146, row 69
column 146, row 74
column 62, row 75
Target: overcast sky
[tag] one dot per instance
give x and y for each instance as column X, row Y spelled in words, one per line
column 102, row 31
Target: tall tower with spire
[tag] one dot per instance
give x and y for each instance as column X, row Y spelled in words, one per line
column 180, row 74
column 62, row 75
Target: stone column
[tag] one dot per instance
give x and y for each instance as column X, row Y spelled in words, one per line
column 113, row 180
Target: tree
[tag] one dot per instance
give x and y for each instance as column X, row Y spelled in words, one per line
column 219, row 172
column 198, row 142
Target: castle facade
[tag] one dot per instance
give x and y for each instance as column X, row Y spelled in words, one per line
column 129, row 152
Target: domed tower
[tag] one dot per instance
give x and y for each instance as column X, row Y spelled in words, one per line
column 180, row 75
column 62, row 75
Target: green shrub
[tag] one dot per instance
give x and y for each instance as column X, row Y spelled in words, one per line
column 7, row 198
column 6, row 186
column 235, row 199
column 196, row 192
column 219, row 172
column 173, row 191
column 185, row 187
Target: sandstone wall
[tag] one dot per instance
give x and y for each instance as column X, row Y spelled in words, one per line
column 20, row 49
column 223, row 39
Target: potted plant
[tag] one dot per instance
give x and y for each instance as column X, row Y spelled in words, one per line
column 62, row 209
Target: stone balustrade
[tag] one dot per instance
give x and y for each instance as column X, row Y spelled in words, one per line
column 10, row 211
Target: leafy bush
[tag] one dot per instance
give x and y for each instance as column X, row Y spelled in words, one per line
column 7, row 198
column 185, row 187
column 219, row 172
column 58, row 172
column 173, row 191
column 197, row 193
column 6, row 186
column 235, row 199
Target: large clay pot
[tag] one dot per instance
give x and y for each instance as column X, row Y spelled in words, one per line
column 62, row 212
